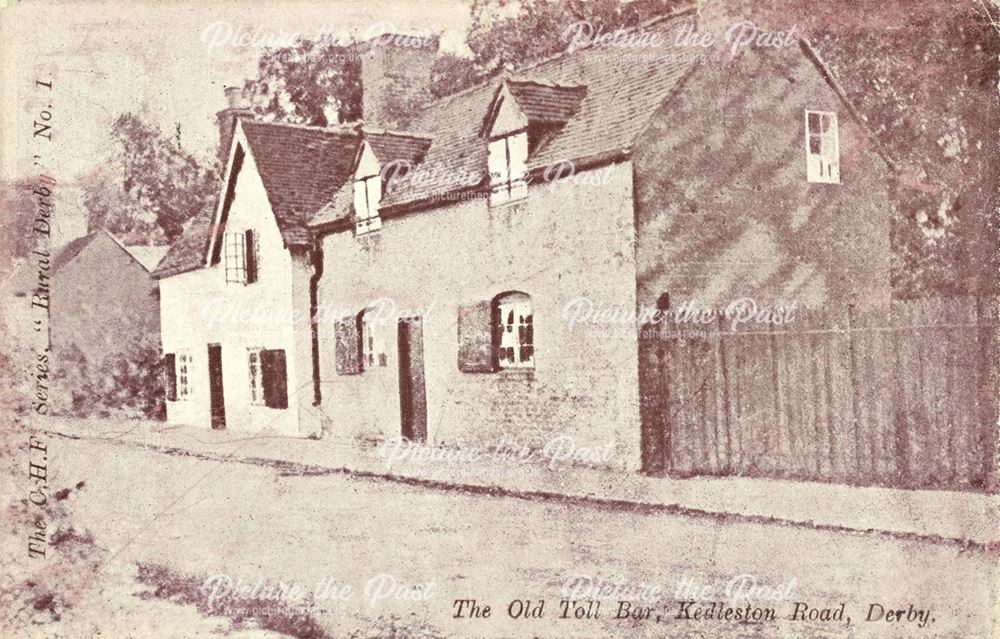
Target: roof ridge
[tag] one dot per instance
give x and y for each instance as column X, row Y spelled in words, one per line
column 655, row 19
column 546, row 83
column 340, row 129
column 400, row 134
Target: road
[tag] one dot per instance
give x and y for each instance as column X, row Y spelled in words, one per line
column 385, row 559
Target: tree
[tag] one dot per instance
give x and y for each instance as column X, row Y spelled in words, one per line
column 312, row 82
column 149, row 186
column 17, row 210
column 924, row 77
column 319, row 83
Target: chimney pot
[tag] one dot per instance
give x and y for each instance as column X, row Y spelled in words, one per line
column 238, row 106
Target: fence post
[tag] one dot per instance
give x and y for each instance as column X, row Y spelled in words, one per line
column 987, row 391
column 727, row 467
column 650, row 398
column 852, row 379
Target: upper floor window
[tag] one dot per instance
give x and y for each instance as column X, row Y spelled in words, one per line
column 508, row 165
column 514, row 335
column 367, row 192
column 822, row 147
column 241, row 257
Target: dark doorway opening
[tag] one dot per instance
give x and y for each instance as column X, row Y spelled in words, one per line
column 218, row 403
column 412, row 393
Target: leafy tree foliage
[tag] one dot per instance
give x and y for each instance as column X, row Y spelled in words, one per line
column 17, row 210
column 924, row 76
column 313, row 82
column 149, row 186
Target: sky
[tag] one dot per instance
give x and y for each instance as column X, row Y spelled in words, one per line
column 170, row 60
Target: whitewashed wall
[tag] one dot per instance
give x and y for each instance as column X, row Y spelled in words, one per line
column 198, row 308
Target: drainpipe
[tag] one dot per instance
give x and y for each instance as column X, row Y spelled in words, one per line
column 317, row 260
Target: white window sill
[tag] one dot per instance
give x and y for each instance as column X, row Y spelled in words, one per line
column 516, row 370
column 503, row 194
column 370, row 225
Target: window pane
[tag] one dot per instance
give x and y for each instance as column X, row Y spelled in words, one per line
column 813, row 123
column 815, row 145
column 514, row 321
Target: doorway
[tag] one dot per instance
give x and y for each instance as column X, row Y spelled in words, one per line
column 412, row 392
column 218, row 403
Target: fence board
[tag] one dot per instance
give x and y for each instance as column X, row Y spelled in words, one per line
column 904, row 396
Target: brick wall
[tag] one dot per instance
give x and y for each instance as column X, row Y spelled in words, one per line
column 558, row 245
column 724, row 208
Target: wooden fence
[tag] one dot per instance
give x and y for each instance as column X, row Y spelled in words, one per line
column 905, row 397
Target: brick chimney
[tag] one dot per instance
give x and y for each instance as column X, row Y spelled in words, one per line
column 237, row 106
column 395, row 78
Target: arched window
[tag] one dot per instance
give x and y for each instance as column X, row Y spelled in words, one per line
column 513, row 330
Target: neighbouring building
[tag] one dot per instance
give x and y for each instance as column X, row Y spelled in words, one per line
column 103, row 312
column 466, row 264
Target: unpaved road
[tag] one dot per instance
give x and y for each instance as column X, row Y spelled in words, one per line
column 426, row 548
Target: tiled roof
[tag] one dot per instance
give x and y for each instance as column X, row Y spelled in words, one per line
column 301, row 168
column 542, row 102
column 339, row 208
column 601, row 97
column 610, row 94
column 188, row 251
column 389, row 146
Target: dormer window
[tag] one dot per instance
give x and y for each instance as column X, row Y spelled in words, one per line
column 367, row 192
column 508, row 165
column 822, row 147
column 520, row 108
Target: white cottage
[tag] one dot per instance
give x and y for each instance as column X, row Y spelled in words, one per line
column 234, row 288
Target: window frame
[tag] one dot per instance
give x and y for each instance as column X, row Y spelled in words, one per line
column 184, row 364
column 256, row 375
column 507, row 187
column 521, row 340
column 236, row 257
column 822, row 165
column 372, row 343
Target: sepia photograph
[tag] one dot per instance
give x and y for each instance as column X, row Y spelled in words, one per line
column 500, row 319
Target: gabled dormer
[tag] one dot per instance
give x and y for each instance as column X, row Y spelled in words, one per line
column 367, row 190
column 522, row 116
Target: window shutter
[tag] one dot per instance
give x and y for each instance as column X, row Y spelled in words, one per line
column 251, row 256
column 831, row 149
column 475, row 338
column 373, row 187
column 347, row 346
column 517, row 146
column 497, row 163
column 170, row 376
column 275, row 374
column 360, row 201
